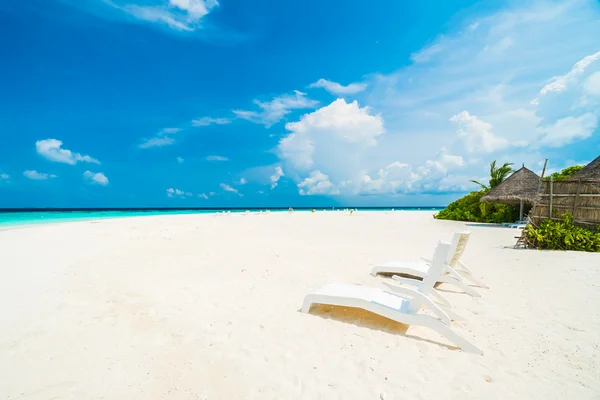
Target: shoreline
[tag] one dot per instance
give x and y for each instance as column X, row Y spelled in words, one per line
column 31, row 223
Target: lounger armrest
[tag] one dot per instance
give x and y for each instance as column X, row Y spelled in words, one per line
column 416, row 295
column 408, row 281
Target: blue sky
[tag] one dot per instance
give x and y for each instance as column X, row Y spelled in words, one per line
column 201, row 103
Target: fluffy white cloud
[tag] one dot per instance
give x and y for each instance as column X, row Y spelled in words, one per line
column 179, row 15
column 228, row 188
column 592, row 84
column 337, row 126
column 560, row 83
column 338, row 89
column 37, row 176
column 477, row 134
column 569, row 129
column 52, row 150
column 216, row 158
column 162, row 138
column 276, row 176
column 97, row 178
column 4, row 177
column 180, row 160
column 273, row 111
column 206, row 121
column 317, row 183
column 203, row 196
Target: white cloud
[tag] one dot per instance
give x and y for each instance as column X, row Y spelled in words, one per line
column 172, row 192
column 338, row 89
column 4, row 177
column 171, row 131
column 569, row 129
column 276, row 176
column 243, row 181
column 337, row 126
column 180, row 160
column 216, row 158
column 560, row 83
column 206, row 121
column 95, row 178
column 178, row 15
column 203, row 196
column 211, row 193
column 511, row 54
column 37, row 176
column 157, row 142
column 317, row 183
column 477, row 134
column 592, row 84
column 275, row 110
column 228, row 188
column 162, row 138
column 52, row 150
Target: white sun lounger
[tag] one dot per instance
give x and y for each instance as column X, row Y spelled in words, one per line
column 401, row 304
column 455, row 272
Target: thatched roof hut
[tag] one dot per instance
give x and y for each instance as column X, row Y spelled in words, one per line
column 518, row 189
column 590, row 171
column 520, row 186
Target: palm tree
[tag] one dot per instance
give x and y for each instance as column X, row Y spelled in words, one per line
column 497, row 175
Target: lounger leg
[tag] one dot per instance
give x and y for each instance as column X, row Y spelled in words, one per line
column 453, row 316
column 464, row 267
column 470, row 277
column 455, row 338
column 441, row 298
column 466, row 288
column 444, row 330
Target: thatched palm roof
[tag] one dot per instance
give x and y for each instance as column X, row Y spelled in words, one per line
column 590, row 171
column 521, row 185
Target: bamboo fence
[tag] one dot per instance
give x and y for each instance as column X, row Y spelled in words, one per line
column 580, row 197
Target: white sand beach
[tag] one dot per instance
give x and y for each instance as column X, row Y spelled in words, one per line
column 207, row 307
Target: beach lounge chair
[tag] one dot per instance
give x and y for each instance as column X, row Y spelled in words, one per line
column 455, row 273
column 400, row 304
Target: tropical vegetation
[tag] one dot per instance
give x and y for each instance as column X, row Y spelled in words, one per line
column 565, row 173
column 562, row 235
column 469, row 208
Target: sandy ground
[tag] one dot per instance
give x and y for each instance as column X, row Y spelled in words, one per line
column 207, row 307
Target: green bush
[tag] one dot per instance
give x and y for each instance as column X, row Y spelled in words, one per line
column 565, row 173
column 562, row 235
column 469, row 208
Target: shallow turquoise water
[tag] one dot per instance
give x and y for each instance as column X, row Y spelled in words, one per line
column 8, row 219
column 20, row 218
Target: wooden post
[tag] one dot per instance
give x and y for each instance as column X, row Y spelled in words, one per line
column 551, row 188
column 521, row 210
column 532, row 212
column 576, row 197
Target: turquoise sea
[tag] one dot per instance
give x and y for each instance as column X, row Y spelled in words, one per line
column 14, row 218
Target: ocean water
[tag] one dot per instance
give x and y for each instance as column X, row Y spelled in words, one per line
column 12, row 218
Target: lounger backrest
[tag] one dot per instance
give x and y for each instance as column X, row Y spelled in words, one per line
column 459, row 244
column 438, row 263
column 436, row 270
